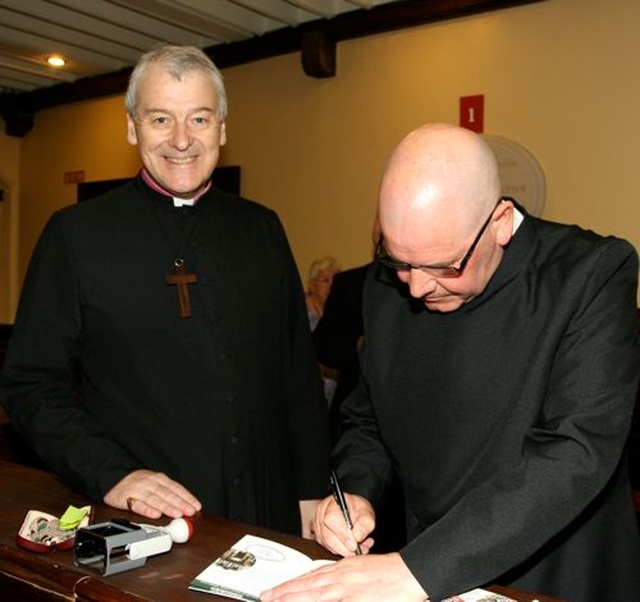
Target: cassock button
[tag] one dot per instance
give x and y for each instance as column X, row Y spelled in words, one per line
column 237, row 480
column 234, row 440
column 223, row 357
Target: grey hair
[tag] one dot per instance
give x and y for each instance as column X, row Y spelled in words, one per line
column 327, row 263
column 177, row 60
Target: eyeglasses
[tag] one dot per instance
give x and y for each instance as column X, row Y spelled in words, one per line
column 437, row 270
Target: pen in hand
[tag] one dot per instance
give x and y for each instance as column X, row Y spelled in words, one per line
column 342, row 503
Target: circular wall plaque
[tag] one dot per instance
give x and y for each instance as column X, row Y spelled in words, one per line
column 521, row 174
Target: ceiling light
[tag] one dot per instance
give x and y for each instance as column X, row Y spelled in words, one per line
column 56, row 61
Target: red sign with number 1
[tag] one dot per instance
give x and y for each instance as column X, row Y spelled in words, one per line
column 472, row 112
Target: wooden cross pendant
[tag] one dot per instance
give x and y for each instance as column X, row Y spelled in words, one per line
column 181, row 280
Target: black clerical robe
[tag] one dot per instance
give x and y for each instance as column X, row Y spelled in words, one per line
column 105, row 377
column 506, row 420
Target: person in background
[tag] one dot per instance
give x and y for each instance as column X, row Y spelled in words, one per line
column 142, row 368
column 340, row 333
column 498, row 380
column 321, row 273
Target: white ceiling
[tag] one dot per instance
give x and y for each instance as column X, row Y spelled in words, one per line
column 103, row 36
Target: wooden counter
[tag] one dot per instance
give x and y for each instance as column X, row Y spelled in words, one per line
column 29, row 576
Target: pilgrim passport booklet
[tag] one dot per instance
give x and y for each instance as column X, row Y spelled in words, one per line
column 253, row 565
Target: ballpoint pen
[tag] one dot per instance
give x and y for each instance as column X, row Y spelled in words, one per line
column 342, row 503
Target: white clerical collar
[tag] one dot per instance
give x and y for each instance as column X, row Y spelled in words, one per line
column 182, row 202
column 518, row 218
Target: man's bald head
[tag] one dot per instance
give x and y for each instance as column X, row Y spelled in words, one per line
column 439, row 169
column 439, row 212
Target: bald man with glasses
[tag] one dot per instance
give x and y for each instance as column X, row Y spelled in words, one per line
column 499, row 375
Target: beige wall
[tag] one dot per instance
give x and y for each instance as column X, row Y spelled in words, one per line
column 559, row 77
column 10, row 185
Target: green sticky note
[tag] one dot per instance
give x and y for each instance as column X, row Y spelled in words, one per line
column 73, row 516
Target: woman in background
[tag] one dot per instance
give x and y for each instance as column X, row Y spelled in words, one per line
column 321, row 272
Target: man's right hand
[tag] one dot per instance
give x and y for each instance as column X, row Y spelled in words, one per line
column 152, row 494
column 332, row 531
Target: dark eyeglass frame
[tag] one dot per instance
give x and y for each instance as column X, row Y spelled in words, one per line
column 440, row 271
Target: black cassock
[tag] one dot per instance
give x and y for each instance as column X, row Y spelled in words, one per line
column 506, row 420
column 228, row 401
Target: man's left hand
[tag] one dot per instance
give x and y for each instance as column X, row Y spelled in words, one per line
column 152, row 494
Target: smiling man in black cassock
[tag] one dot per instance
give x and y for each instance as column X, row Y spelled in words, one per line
column 161, row 358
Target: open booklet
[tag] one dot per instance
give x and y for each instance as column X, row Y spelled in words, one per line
column 254, row 564
column 251, row 566
column 480, row 595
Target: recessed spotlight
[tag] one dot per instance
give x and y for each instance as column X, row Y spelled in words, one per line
column 56, row 61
